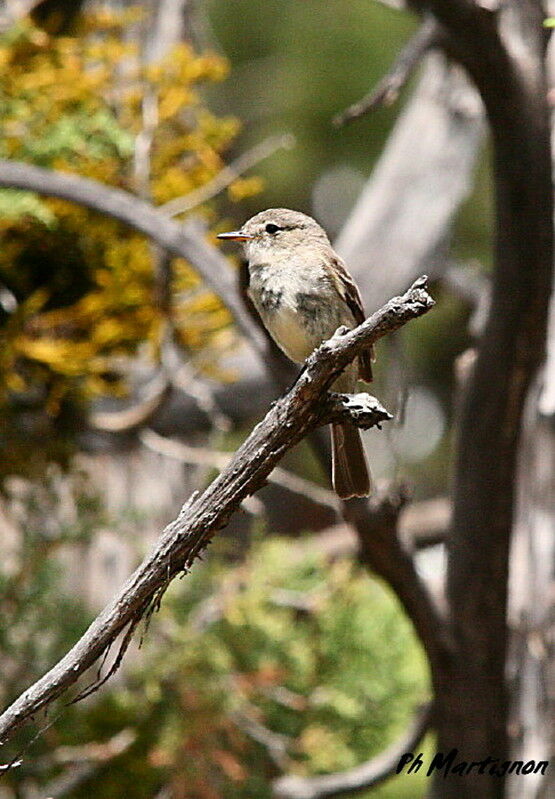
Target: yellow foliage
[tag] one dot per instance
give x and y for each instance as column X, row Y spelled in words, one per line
column 242, row 188
column 84, row 283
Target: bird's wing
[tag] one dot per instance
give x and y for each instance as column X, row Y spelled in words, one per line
column 348, row 290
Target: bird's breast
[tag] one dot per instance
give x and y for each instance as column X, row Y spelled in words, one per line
column 297, row 313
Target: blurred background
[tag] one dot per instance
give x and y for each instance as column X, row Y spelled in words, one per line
column 124, row 382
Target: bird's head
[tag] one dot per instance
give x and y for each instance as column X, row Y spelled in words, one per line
column 277, row 230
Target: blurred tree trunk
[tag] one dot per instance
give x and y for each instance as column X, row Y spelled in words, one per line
column 57, row 16
column 504, row 53
column 532, row 603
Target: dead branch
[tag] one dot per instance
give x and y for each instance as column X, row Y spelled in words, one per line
column 504, row 54
column 367, row 775
column 302, row 409
column 387, row 90
column 380, row 549
column 137, row 414
column 276, row 744
column 183, row 239
column 421, row 525
column 84, row 762
column 403, row 215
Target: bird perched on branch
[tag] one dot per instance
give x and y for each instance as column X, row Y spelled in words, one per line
column 303, row 293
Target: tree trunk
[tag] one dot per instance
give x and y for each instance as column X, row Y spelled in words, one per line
column 472, row 700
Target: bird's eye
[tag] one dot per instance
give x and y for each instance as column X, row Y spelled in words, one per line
column 270, row 228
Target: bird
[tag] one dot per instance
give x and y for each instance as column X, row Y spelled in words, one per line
column 303, row 292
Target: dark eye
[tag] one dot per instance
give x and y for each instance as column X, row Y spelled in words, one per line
column 272, row 228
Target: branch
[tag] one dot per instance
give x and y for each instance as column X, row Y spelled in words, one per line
column 183, row 239
column 387, row 90
column 84, row 762
column 228, row 174
column 367, row 775
column 421, row 525
column 427, row 164
column 506, row 59
column 381, row 549
column 302, row 409
column 136, row 415
column 219, row 460
column 275, row 743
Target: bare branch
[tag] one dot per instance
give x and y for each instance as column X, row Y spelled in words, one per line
column 505, row 57
column 186, row 240
column 228, row 174
column 276, row 744
column 426, row 164
column 421, row 524
column 381, row 549
column 84, row 762
column 219, row 460
column 292, row 417
column 137, row 414
column 387, row 90
column 366, row 775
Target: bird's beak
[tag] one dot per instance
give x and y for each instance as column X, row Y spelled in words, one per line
column 235, row 235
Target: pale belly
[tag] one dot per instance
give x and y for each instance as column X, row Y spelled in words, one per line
column 288, row 330
column 296, row 317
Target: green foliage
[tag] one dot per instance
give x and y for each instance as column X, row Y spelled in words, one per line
column 317, row 656
column 316, row 653
column 40, row 618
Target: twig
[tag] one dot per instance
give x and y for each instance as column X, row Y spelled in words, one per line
column 368, row 774
column 85, row 761
column 275, row 743
column 219, row 460
column 117, row 421
column 302, row 409
column 226, row 176
column 387, row 90
column 186, row 378
column 200, row 456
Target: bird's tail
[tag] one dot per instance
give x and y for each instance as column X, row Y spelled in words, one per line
column 349, row 470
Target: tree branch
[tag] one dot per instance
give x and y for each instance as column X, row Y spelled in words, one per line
column 226, row 176
column 183, row 239
column 426, row 164
column 204, row 456
column 381, row 549
column 505, row 56
column 366, row 775
column 387, row 90
column 302, row 409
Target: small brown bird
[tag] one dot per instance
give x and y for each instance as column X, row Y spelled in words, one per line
column 303, row 293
